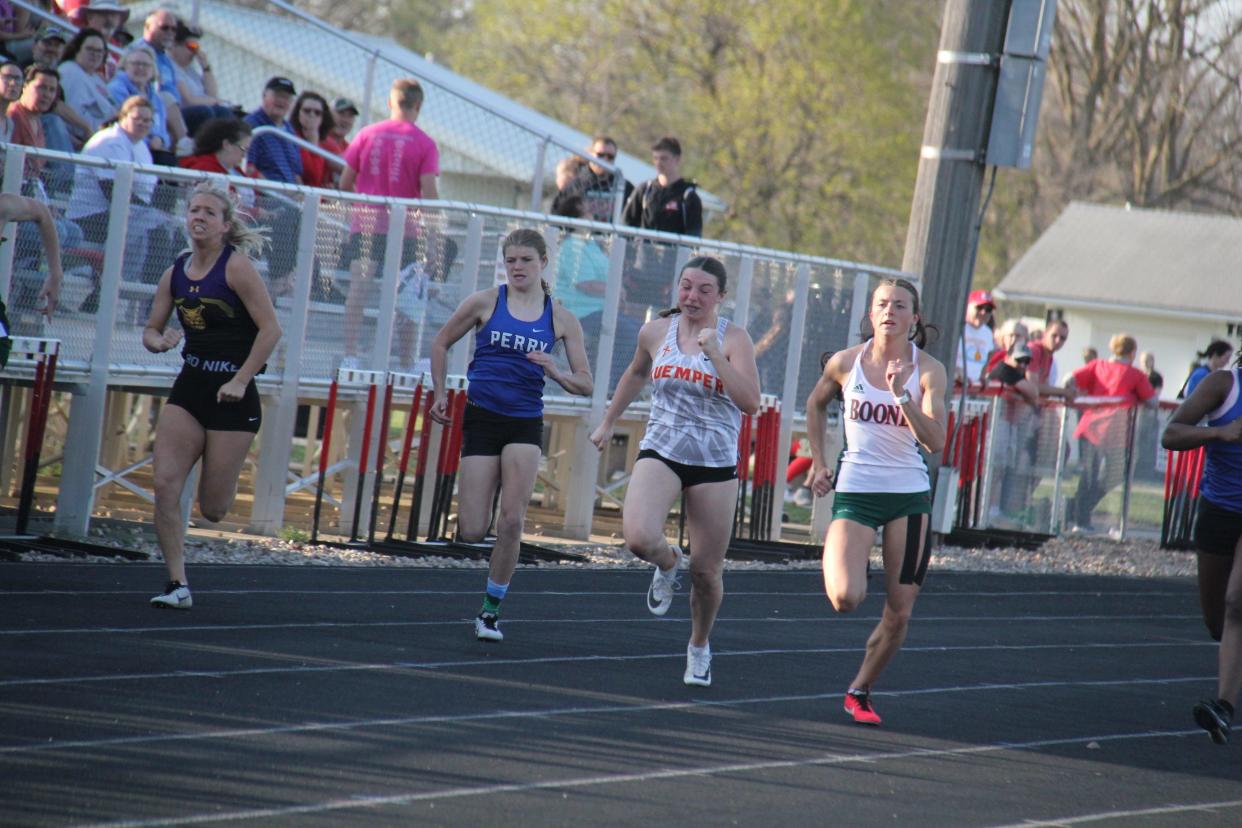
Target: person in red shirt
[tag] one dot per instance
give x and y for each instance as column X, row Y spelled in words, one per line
column 313, row 122
column 38, row 96
column 220, row 147
column 1102, row 431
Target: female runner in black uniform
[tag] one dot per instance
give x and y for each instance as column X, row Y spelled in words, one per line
column 213, row 411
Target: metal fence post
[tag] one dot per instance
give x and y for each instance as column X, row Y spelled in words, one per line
column 1131, row 432
column 459, row 357
column 858, row 307
column 536, row 184
column 741, row 298
column 85, row 435
column 276, row 438
column 580, row 499
column 1055, row 522
column 789, row 407
column 989, row 464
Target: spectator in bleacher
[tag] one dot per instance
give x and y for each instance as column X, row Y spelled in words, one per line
column 150, row 231
column 274, row 158
column 106, row 17
column 26, row 113
column 49, row 45
column 312, row 122
column 196, row 83
column 344, row 114
column 581, row 266
column 569, row 185
column 17, row 31
column 11, row 80
column 1102, row 430
column 599, row 185
column 391, row 158
column 220, row 146
column 668, row 202
column 137, row 77
column 158, row 31
column 84, row 88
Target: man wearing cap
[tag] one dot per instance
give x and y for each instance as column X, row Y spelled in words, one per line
column 196, row 83
column 344, row 113
column 977, row 342
column 49, row 47
column 275, row 158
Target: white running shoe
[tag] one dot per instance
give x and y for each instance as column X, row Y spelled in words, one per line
column 175, row 596
column 698, row 666
column 663, row 585
column 487, row 627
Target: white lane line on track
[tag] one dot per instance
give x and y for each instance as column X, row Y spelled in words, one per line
column 354, row 803
column 1108, row 816
column 401, row 666
column 560, row 593
column 405, row 721
column 789, row 619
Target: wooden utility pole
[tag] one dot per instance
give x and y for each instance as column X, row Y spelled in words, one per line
column 941, row 239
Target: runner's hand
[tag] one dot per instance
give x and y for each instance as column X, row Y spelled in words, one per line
column 231, row 391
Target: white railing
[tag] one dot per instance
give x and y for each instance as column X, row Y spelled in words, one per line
column 814, row 303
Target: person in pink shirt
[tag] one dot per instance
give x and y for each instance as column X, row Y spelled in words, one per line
column 1102, row 430
column 391, row 158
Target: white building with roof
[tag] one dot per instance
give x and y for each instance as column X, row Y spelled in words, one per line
column 1171, row 280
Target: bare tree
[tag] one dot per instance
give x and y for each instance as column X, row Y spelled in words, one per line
column 1146, row 96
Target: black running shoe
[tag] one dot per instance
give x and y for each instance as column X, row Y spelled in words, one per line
column 1213, row 718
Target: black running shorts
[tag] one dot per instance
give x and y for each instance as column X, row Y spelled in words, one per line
column 485, row 432
column 692, row 475
column 195, row 391
column 1217, row 530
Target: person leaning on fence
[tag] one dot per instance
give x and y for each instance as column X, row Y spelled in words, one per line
column 598, row 184
column 1013, row 446
column 1042, row 369
column 391, row 158
column 1102, row 429
column 1212, row 358
column 517, row 326
column 344, row 114
column 213, row 411
column 703, row 372
column 1218, row 530
column 892, row 405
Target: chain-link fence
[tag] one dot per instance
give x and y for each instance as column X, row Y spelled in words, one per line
column 1094, row 466
column 349, row 291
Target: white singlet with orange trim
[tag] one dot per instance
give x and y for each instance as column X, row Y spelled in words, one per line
column 693, row 420
column 881, row 454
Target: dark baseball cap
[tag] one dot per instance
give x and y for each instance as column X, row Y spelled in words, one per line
column 51, row 33
column 344, row 105
column 280, row 84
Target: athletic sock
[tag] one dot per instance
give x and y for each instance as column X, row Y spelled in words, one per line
column 854, row 691
column 494, row 595
column 700, row 651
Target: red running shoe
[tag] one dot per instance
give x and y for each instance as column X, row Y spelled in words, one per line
column 858, row 705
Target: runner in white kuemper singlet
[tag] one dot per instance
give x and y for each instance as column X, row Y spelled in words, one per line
column 893, row 404
column 704, row 373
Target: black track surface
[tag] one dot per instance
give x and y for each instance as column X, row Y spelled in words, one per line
column 346, row 696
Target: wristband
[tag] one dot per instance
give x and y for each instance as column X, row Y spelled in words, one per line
column 903, row 399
